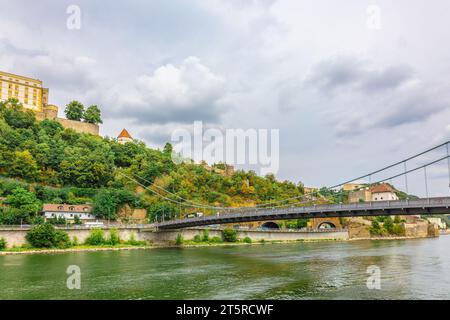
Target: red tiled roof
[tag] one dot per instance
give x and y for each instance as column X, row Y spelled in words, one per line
column 381, row 188
column 66, row 208
column 124, row 134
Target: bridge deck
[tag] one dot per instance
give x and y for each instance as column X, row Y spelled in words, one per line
column 378, row 208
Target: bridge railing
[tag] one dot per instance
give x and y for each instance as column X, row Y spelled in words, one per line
column 373, row 205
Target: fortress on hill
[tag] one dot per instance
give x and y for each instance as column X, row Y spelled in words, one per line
column 33, row 96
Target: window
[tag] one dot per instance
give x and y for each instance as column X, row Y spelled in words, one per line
column 71, row 208
column 60, row 207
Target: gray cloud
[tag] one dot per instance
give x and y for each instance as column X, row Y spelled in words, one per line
column 350, row 73
column 176, row 94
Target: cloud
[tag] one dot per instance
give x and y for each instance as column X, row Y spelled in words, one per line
column 351, row 73
column 71, row 73
column 356, row 97
column 179, row 94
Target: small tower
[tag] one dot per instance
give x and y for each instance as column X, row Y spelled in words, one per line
column 124, row 137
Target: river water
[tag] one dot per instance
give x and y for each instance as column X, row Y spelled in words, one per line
column 409, row 269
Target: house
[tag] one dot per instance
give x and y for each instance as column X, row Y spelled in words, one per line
column 438, row 221
column 68, row 212
column 383, row 192
column 33, row 96
column 379, row 192
column 124, row 137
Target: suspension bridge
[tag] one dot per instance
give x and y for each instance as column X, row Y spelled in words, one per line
column 305, row 206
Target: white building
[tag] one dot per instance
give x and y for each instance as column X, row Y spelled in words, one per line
column 438, row 221
column 383, row 192
column 68, row 212
column 124, row 137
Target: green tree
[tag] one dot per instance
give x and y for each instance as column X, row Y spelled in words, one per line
column 180, row 240
column 105, row 205
column 375, row 229
column 2, row 244
column 229, row 235
column 96, row 238
column 114, row 238
column 388, row 225
column 93, row 115
column 46, row 236
column 74, row 111
column 23, row 166
column 23, row 200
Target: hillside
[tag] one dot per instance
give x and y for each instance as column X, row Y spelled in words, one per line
column 53, row 164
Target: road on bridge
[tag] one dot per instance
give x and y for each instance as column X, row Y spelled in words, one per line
column 426, row 206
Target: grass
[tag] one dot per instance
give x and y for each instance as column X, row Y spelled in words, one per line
column 27, row 248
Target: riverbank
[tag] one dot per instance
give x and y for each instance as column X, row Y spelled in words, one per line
column 188, row 244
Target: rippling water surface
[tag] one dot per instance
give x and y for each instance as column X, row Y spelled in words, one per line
column 410, row 269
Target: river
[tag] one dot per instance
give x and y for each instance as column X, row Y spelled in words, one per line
column 409, row 269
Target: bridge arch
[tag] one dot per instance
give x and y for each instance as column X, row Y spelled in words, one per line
column 270, row 225
column 326, row 225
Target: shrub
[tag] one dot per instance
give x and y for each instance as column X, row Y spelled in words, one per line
column 2, row 244
column 75, row 241
column 216, row 240
column 375, row 229
column 197, row 238
column 247, row 240
column 62, row 240
column 133, row 240
column 77, row 220
column 38, row 220
column 114, row 238
column 180, row 240
column 45, row 236
column 42, row 236
column 399, row 229
column 388, row 225
column 205, row 235
column 96, row 238
column 229, row 235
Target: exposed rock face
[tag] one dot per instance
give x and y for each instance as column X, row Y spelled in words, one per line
column 420, row 229
column 433, row 230
column 358, row 229
column 130, row 215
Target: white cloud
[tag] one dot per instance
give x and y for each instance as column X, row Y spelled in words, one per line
column 184, row 93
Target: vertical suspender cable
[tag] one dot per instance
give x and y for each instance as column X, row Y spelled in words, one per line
column 448, row 164
column 426, row 181
column 406, row 178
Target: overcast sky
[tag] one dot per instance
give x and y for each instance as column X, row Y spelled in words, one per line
column 347, row 97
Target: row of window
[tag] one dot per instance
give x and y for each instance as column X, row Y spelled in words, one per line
column 85, row 209
column 18, row 81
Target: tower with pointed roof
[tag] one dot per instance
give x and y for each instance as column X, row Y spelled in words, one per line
column 124, row 137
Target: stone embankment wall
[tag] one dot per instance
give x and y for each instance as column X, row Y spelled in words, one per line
column 16, row 236
column 359, row 228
